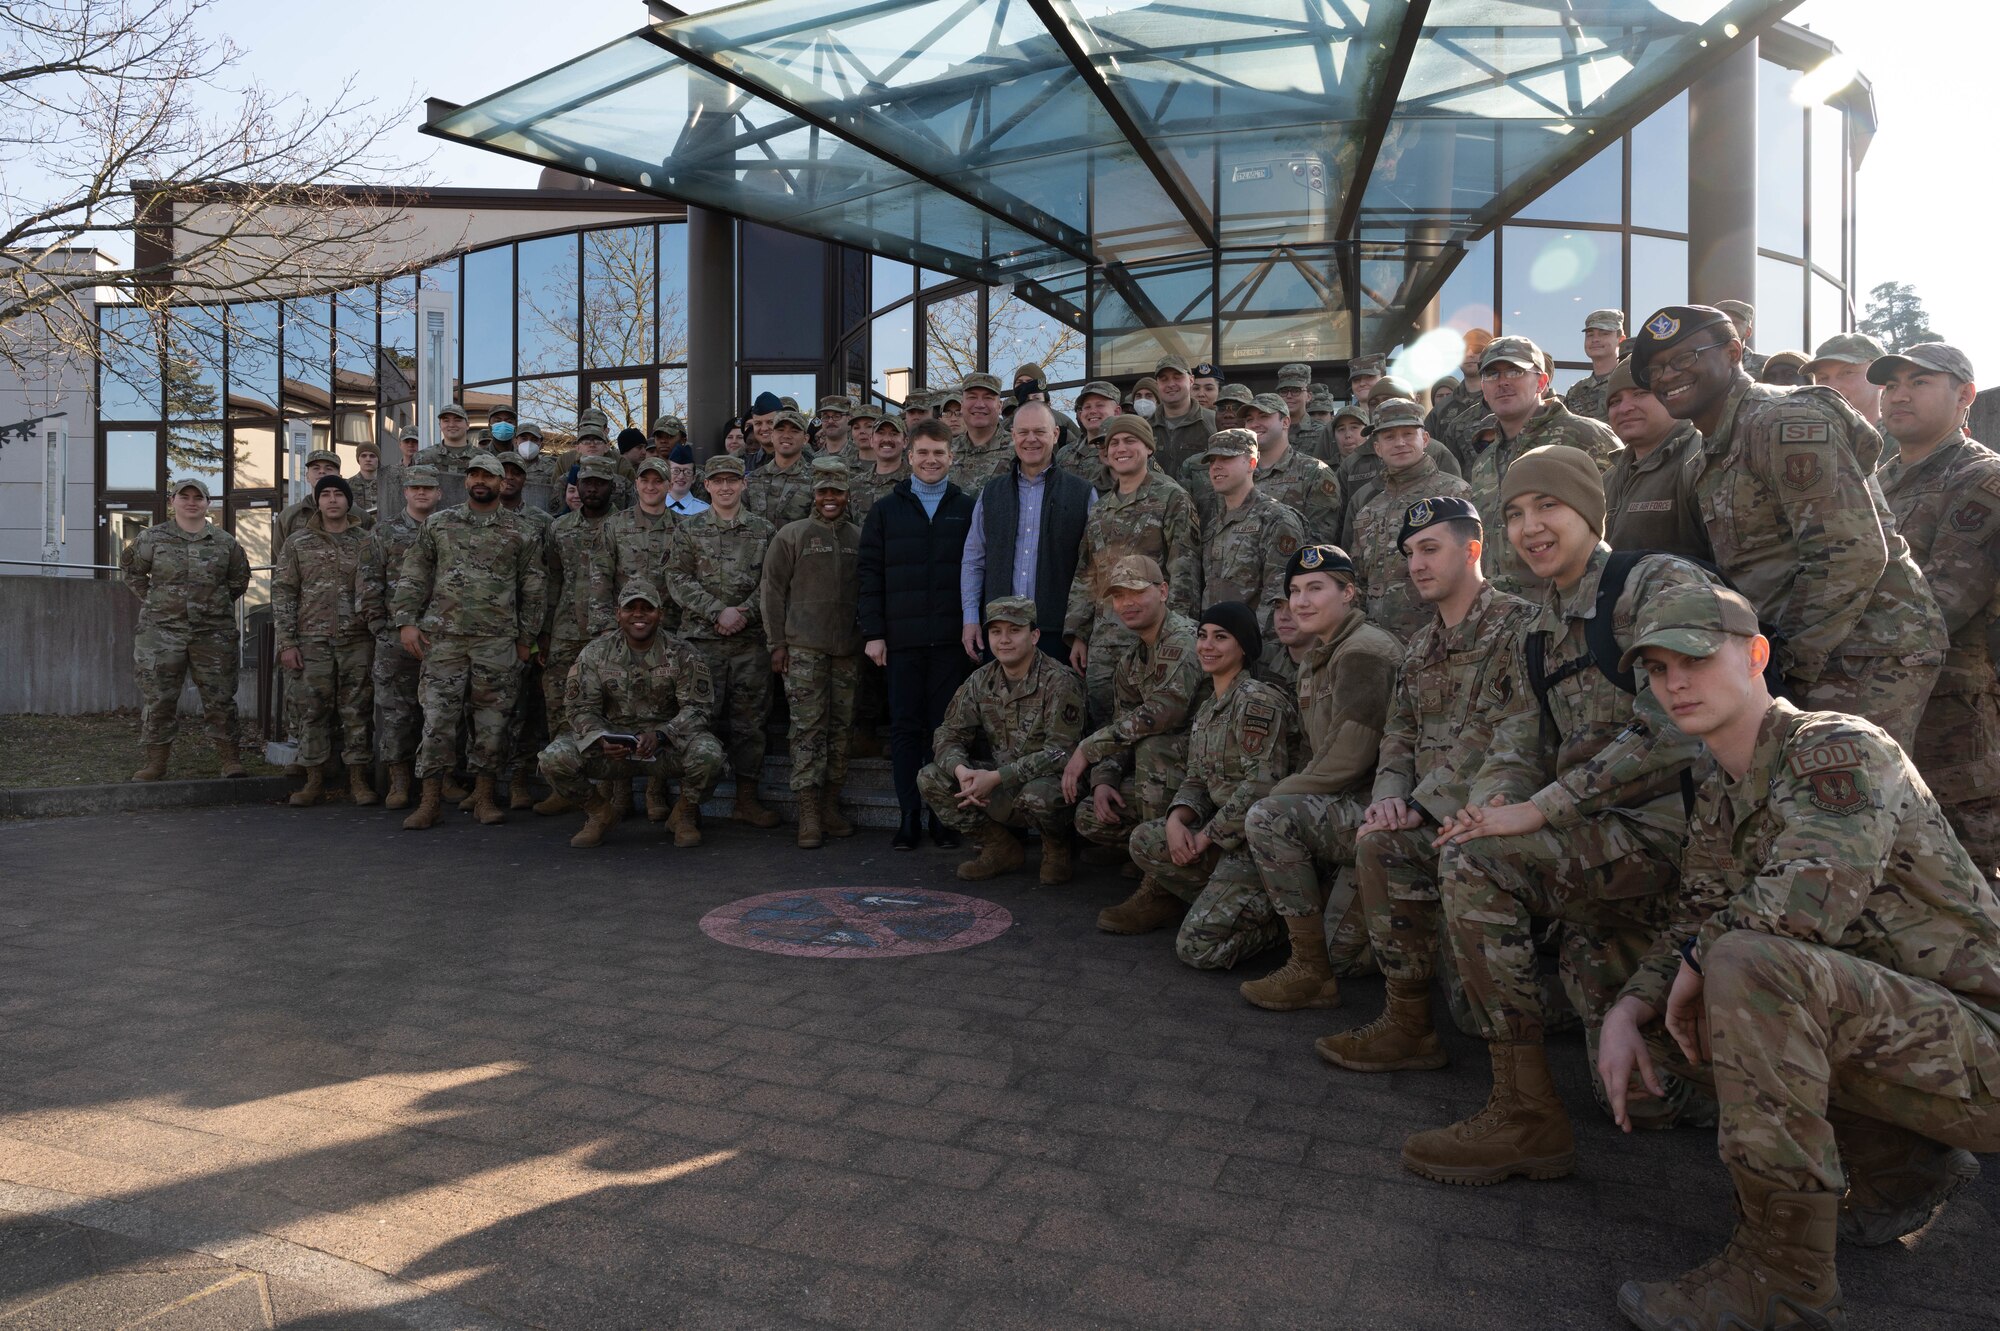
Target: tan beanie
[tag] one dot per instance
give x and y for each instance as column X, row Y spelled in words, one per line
column 1562, row 472
column 1129, row 424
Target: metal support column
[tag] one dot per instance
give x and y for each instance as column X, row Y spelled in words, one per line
column 1722, row 182
column 711, row 354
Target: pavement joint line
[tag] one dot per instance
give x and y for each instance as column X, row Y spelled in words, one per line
column 263, row 1254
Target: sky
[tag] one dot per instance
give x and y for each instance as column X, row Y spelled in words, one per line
column 1922, row 196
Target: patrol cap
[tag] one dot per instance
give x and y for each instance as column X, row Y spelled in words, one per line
column 891, row 420
column 1170, row 361
column 836, row 403
column 1389, row 386
column 1669, row 327
column 1351, row 411
column 1295, row 376
column 1610, row 321
column 1204, row 370
column 1375, row 365
column 419, row 475
column 323, row 455
column 1520, row 351
column 647, row 465
column 723, row 464
column 1939, row 356
column 1097, row 388
column 411, row 432
column 1619, row 379
column 640, row 589
column 1319, row 559
column 1146, row 384
column 1010, row 610
column 1319, row 400
column 788, row 403
column 1397, row 411
column 1270, row 402
column 593, row 424
column 513, row 459
column 1429, row 512
column 1846, row 349
column 489, row 464
column 1241, row 393
column 368, row 446
column 1229, row 444
column 829, row 474
column 1135, row 573
column 1740, row 310
column 941, row 400
column 1795, row 359
column 972, row 381
column 859, row 414
column 791, row 418
column 453, row 409
column 1127, row 423
column 597, row 469
column 528, row 430
column 669, row 425
column 190, row 483
column 1694, row 619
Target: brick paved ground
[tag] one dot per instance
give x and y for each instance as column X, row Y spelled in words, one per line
column 517, row 1079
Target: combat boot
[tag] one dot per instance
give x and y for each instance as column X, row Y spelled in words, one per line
column 618, row 794
column 1523, row 1130
column 600, row 822
column 1896, row 1180
column 811, row 835
column 429, row 806
column 454, row 791
column 1056, row 862
column 485, row 806
column 1150, row 907
column 232, row 761
column 155, row 766
column 399, row 786
column 556, row 803
column 749, row 809
column 1306, row 981
column 1401, row 1039
column 1776, row 1273
column 1000, row 851
column 519, row 797
column 360, row 790
column 829, row 812
column 684, row 821
column 658, row 806
column 309, row 794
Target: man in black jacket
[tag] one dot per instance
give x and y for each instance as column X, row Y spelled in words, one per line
column 911, row 545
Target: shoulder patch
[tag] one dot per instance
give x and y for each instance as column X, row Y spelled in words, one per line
column 1071, row 713
column 1260, row 717
column 1287, row 544
column 1832, row 755
column 1838, row 790
column 1970, row 516
column 1804, row 432
column 1991, row 485
column 1802, row 470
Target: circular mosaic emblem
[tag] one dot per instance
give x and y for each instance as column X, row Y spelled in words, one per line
column 856, row 922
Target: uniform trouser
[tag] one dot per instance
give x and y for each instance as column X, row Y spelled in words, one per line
column 1158, row 763
column 336, row 689
column 1397, row 880
column 1303, row 847
column 820, row 689
column 1882, row 689
column 1230, row 917
column 1958, row 752
column 163, row 656
column 1110, row 640
column 466, row 675
column 571, row 772
column 739, row 670
column 1815, row 1049
column 1038, row 803
column 555, row 680
column 921, row 683
column 399, row 720
column 527, row 721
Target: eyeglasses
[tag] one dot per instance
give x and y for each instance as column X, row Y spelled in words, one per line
column 1502, row 372
column 1685, row 361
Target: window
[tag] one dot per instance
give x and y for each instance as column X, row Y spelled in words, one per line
column 254, row 457
column 129, row 380
column 1594, row 192
column 551, row 404
column 673, row 330
column 1829, row 311
column 889, row 281
column 131, row 460
column 892, row 354
column 1829, row 174
column 486, row 333
column 1466, row 299
column 1550, row 279
column 951, row 339
column 547, row 305
column 193, row 336
column 619, row 276
column 308, row 356
column 673, row 396
column 1781, row 306
column 1019, row 334
column 1659, row 276
column 253, row 359
column 196, row 450
column 1781, row 161
column 1660, row 169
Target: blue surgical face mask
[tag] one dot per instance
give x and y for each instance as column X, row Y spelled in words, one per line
column 503, row 432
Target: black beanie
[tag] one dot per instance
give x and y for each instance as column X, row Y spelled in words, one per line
column 331, row 482
column 1240, row 622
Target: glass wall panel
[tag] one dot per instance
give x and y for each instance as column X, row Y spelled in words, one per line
column 1594, row 192
column 1829, row 171
column 951, row 339
column 1466, row 299
column 1829, row 313
column 673, row 329
column 252, row 528
column 889, row 281
column 308, row 382
column 619, row 277
column 486, row 335
column 196, row 450
column 131, row 460
column 892, row 354
column 254, row 457
column 1781, row 161
column 547, row 305
column 1660, row 168
column 1659, row 276
column 1019, row 334
column 1781, row 307
column 623, row 402
column 129, row 381
column 194, row 363
column 800, row 387
column 355, row 334
column 396, row 370
column 253, row 359
column 674, row 398
column 933, row 278
column 551, row 403
column 1284, row 307
column 1551, row 279
column 1143, row 314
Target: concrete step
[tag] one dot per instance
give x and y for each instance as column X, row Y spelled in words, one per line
column 868, row 796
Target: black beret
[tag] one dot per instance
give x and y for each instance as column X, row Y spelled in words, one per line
column 1670, row 327
column 1319, row 559
column 1239, row 621
column 1429, row 512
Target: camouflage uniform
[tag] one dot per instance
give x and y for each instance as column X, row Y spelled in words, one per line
column 713, row 566
column 640, row 544
column 399, row 721
column 1082, row 457
column 1315, row 440
column 1032, row 726
column 1307, row 486
column 527, row 719
column 1649, row 502
column 616, row 690
column 1849, row 951
column 1589, row 396
column 367, row 492
column 1493, row 453
column 473, row 583
column 1948, row 508
column 1453, row 423
column 1800, row 529
column 581, row 554
column 780, row 494
column 449, row 464
column 1393, row 603
column 1238, row 747
column 973, row 465
column 1243, row 557
column 1156, row 520
column 1142, row 750
column 187, row 585
column 318, row 606
column 870, row 487
column 810, row 596
column 1303, row 832
column 1178, row 438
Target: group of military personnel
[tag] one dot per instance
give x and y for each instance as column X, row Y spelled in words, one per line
column 1669, row 706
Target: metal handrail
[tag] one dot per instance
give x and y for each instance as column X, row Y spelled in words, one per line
column 105, row 568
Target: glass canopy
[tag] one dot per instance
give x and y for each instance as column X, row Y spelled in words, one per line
column 1315, row 166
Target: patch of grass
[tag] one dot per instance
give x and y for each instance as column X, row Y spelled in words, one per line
column 102, row 748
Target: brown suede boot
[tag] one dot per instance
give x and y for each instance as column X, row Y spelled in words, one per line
column 556, row 803
column 1000, row 851
column 313, row 790
column 658, row 801
column 684, row 821
column 600, row 822
column 520, row 797
column 811, row 835
column 1306, row 981
column 232, row 761
column 1896, row 1180
column 360, row 790
column 749, row 809
column 1148, row 908
column 485, row 806
column 1523, row 1129
column 618, row 794
column 454, row 792
column 155, row 766
column 1057, row 862
column 830, row 820
column 1401, row 1039
column 429, row 806
column 399, row 786
column 1776, row 1272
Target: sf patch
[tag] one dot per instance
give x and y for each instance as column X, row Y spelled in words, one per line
column 1838, row 790
column 1803, row 470
column 1257, row 722
column 1804, row 432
